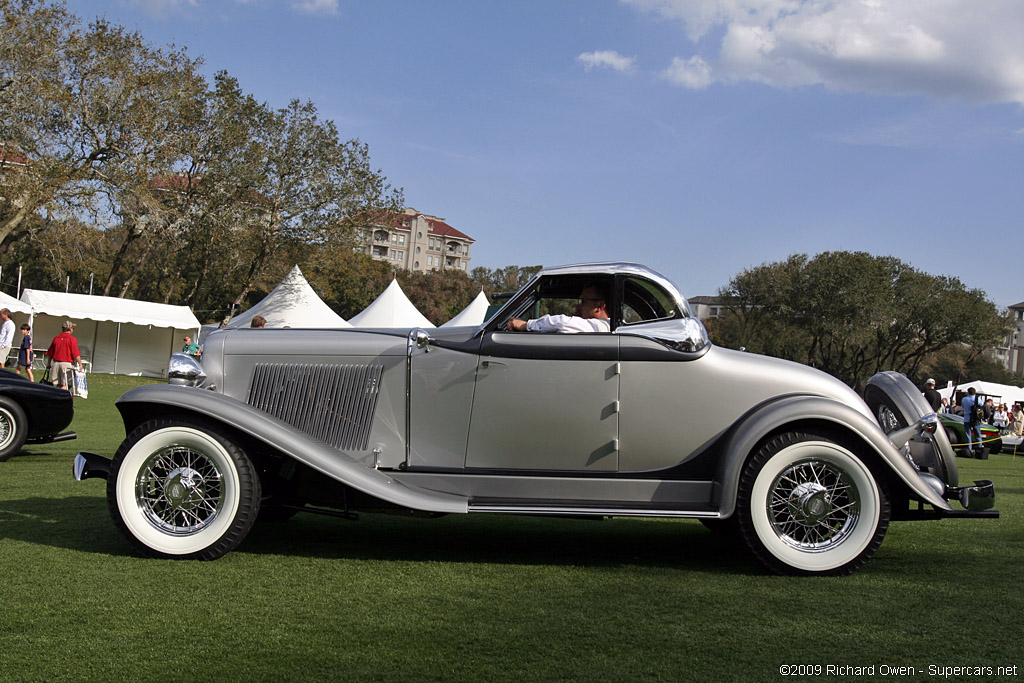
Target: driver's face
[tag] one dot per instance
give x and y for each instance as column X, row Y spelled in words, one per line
column 590, row 304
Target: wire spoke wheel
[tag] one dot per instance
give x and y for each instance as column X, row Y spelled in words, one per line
column 812, row 506
column 13, row 428
column 180, row 490
column 6, row 429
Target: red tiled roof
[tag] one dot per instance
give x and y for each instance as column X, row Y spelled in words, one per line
column 445, row 230
column 437, row 227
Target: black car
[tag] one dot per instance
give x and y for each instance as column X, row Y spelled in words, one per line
column 33, row 412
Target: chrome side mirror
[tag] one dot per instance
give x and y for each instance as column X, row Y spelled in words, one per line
column 420, row 339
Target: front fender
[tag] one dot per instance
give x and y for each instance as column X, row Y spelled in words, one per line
column 155, row 399
column 793, row 410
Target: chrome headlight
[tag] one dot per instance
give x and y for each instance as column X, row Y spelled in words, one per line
column 184, row 370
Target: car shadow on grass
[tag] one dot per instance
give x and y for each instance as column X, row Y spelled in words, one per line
column 76, row 523
column 82, row 523
column 505, row 539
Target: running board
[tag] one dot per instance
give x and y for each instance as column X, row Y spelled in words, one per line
column 599, row 511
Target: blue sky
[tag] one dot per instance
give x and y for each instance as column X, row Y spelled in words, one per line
column 699, row 137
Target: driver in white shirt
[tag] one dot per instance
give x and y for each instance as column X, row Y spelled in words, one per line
column 591, row 316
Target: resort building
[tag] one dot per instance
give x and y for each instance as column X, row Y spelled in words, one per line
column 417, row 241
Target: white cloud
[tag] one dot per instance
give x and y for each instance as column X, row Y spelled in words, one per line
column 608, row 59
column 316, row 6
column 968, row 49
column 691, row 73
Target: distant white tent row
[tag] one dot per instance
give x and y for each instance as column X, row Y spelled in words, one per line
column 125, row 336
column 1007, row 393
column 294, row 303
column 121, row 336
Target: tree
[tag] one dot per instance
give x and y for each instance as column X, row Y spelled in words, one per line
column 300, row 183
column 853, row 314
column 507, row 279
column 93, row 111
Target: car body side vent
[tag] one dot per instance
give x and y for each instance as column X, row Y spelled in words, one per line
column 332, row 403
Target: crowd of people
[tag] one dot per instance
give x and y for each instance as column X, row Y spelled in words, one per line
column 976, row 412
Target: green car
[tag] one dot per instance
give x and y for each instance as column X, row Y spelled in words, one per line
column 954, row 426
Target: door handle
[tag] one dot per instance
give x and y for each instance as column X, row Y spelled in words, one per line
column 488, row 363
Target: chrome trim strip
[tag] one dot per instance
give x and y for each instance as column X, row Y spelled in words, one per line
column 606, row 512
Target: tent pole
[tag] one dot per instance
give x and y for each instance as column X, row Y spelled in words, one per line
column 95, row 338
column 117, row 346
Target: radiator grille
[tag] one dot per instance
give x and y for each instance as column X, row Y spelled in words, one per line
column 333, row 403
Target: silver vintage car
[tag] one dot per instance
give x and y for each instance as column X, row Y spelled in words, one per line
column 647, row 420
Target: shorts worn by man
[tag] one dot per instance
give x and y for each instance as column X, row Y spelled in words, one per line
column 63, row 354
column 591, row 316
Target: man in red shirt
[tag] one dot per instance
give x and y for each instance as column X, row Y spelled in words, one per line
column 63, row 352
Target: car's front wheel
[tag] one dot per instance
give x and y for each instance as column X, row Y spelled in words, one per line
column 181, row 488
column 13, row 428
column 809, row 506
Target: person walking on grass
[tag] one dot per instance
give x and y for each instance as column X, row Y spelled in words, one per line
column 6, row 335
column 63, row 354
column 25, row 353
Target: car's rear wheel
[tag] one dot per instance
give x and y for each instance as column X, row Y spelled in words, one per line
column 181, row 488
column 13, row 428
column 809, row 506
column 896, row 403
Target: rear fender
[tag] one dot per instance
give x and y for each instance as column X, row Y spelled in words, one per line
column 152, row 400
column 792, row 410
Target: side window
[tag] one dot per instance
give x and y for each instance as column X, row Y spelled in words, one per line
column 556, row 295
column 644, row 301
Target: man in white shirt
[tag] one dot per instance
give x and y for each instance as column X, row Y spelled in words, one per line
column 591, row 316
column 6, row 335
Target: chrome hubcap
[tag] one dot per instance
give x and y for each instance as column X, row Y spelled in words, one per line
column 6, row 428
column 809, row 503
column 813, row 506
column 179, row 490
column 887, row 420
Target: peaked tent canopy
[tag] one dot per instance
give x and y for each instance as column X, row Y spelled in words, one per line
column 293, row 303
column 472, row 315
column 121, row 336
column 391, row 309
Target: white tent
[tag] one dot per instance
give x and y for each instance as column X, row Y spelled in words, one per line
column 15, row 305
column 121, row 336
column 1007, row 393
column 472, row 315
column 293, row 303
column 391, row 309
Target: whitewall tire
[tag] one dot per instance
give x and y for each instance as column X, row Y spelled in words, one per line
column 809, row 505
column 180, row 488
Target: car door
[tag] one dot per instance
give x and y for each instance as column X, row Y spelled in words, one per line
column 545, row 402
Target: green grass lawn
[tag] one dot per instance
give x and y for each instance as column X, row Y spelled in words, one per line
column 481, row 598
